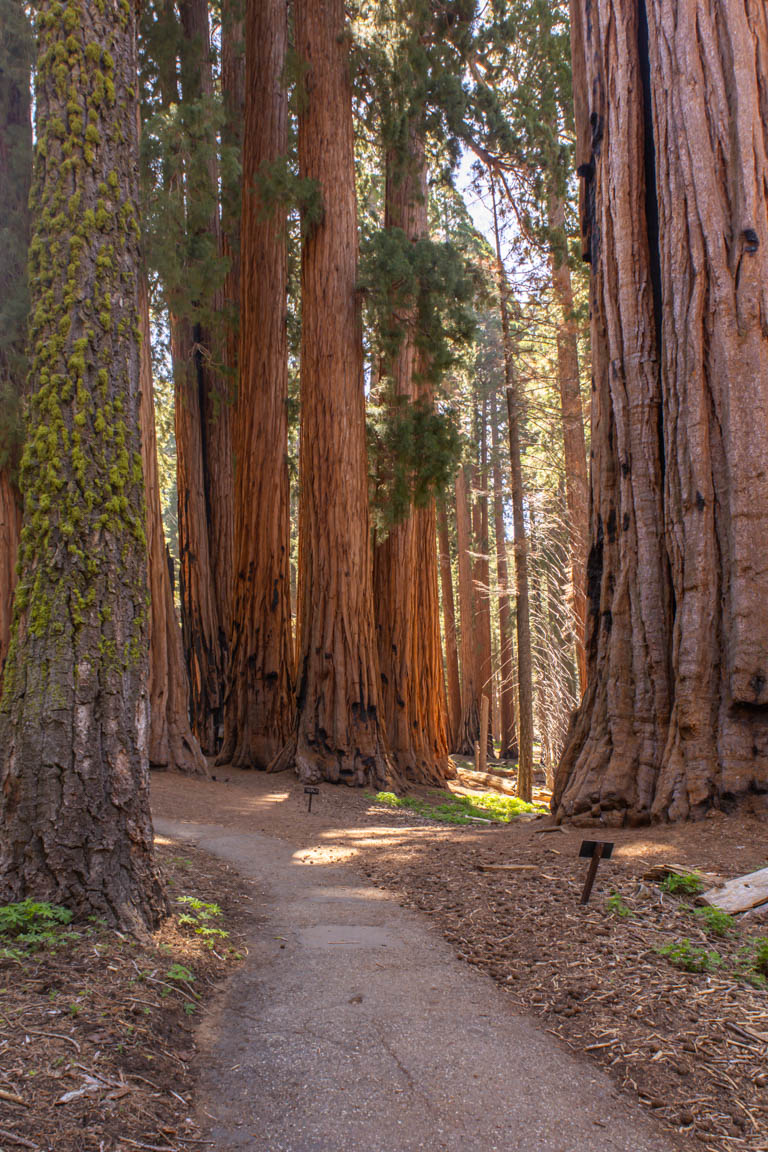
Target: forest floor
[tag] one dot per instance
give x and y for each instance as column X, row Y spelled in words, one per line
column 690, row 1045
column 97, row 1031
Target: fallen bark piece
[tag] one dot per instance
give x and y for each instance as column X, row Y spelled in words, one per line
column 740, row 894
column 12, row 1098
column 506, row 867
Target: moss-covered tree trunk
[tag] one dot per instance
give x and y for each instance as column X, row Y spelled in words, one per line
column 675, row 718
column 74, row 781
column 449, row 624
column 259, row 709
column 339, row 733
column 15, row 176
column 405, row 561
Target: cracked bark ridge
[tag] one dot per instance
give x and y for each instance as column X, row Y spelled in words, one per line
column 672, row 106
column 259, row 707
column 339, row 732
column 74, row 779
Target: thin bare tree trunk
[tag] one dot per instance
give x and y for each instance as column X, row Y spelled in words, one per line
column 482, row 572
column 469, row 726
column 574, row 442
column 171, row 742
column 340, row 733
column 524, row 655
column 509, row 749
column 675, row 719
column 449, row 624
column 259, row 711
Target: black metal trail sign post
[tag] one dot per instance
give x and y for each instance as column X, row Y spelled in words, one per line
column 595, row 851
column 311, row 792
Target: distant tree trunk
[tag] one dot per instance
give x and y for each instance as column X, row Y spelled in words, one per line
column 574, row 442
column 675, row 718
column 469, row 726
column 339, row 730
column 16, row 50
column 171, row 742
column 259, row 710
column 405, row 562
column 74, row 783
column 509, row 749
column 482, row 572
column 449, row 624
column 524, row 654
column 203, row 429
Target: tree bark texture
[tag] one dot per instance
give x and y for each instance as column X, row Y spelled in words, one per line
column 171, row 741
column 15, row 179
column 74, row 780
column 469, row 726
column 509, row 748
column 259, row 709
column 405, row 563
column 449, row 624
column 482, row 572
column 675, row 720
column 574, row 441
column 203, row 436
column 340, row 734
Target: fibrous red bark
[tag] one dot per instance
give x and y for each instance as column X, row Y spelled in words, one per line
column 449, row 624
column 259, row 708
column 671, row 114
column 339, row 732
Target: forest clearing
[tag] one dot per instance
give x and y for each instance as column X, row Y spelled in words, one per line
column 383, row 575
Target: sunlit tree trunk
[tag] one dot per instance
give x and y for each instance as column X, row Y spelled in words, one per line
column 574, row 441
column 449, row 624
column 482, row 572
column 509, row 749
column 259, row 710
column 340, row 733
column 75, row 827
column 675, row 719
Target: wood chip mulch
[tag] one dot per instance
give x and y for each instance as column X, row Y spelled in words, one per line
column 97, row 1040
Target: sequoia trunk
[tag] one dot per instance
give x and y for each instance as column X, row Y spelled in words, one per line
column 259, row 710
column 74, row 780
column 469, row 726
column 339, row 732
column 675, row 719
column 405, row 562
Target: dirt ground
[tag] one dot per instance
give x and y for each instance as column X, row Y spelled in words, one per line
column 690, row 1045
column 97, row 1047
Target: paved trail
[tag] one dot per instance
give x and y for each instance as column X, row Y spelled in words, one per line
column 352, row 1027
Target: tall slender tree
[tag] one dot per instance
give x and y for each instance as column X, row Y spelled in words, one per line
column 449, row 624
column 15, row 176
column 74, row 785
column 469, row 726
column 259, row 710
column 509, row 748
column 675, row 224
column 339, row 732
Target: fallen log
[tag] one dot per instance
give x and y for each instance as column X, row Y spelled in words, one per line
column 740, row 894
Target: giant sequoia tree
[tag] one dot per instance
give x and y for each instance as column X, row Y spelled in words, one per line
column 672, row 103
column 339, row 733
column 74, row 802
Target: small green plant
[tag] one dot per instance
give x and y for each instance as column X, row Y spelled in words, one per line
column 198, row 915
column 616, row 905
column 180, row 973
column 462, row 809
column 687, row 956
column 715, row 921
column 31, row 924
column 759, row 955
column 687, row 884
